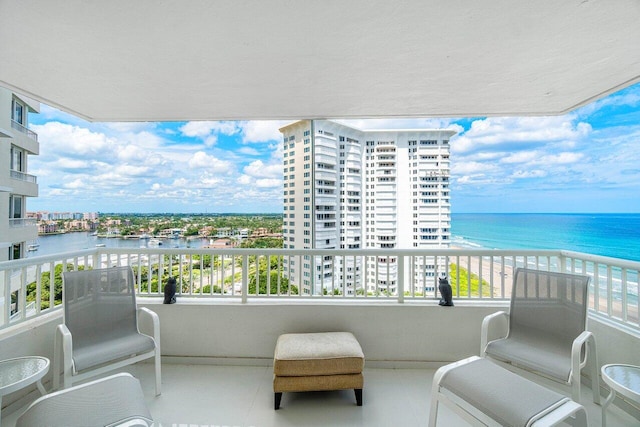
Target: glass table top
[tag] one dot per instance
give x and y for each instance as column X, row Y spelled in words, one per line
column 14, row 371
column 627, row 376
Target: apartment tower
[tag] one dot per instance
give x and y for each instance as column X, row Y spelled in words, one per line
column 346, row 188
column 17, row 143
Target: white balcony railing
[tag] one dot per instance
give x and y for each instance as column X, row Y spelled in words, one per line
column 22, row 222
column 23, row 176
column 231, row 274
column 17, row 126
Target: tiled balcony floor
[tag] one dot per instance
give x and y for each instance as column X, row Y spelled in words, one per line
column 208, row 395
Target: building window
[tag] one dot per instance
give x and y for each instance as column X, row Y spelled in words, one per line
column 17, row 159
column 16, row 205
column 17, row 112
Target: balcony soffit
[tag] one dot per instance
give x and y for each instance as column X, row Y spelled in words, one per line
column 280, row 59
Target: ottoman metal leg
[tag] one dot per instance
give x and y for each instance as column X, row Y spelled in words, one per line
column 278, row 398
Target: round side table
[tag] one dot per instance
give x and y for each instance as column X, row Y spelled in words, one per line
column 623, row 380
column 20, row 372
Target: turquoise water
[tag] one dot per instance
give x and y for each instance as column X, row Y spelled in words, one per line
column 613, row 235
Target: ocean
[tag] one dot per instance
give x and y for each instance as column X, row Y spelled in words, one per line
column 612, row 235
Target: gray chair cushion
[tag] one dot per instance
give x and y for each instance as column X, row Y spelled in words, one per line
column 535, row 351
column 106, row 401
column 500, row 394
column 101, row 314
column 548, row 312
column 104, row 350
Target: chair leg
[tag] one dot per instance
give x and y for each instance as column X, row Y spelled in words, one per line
column 55, row 369
column 158, row 374
column 358, row 396
column 277, row 399
column 433, row 410
column 595, row 373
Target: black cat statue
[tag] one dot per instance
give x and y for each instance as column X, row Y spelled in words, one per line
column 170, row 291
column 446, row 293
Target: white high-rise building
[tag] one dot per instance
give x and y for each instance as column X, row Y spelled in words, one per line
column 17, row 143
column 346, row 188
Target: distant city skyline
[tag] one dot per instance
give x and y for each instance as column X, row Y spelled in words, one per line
column 584, row 161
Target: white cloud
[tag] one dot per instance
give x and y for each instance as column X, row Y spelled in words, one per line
column 520, row 157
column 244, row 179
column 536, row 173
column 211, row 163
column 560, row 158
column 73, row 141
column 268, row 182
column 249, row 151
column 205, row 128
column 66, row 163
column 258, row 169
column 467, row 168
column 518, row 133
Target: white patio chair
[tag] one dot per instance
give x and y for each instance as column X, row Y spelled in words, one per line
column 546, row 329
column 112, row 401
column 100, row 330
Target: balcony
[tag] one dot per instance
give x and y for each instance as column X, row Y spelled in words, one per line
column 21, row 176
column 220, row 372
column 24, row 184
column 31, row 134
column 22, row 222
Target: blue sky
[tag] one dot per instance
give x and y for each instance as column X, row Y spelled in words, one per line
column 585, row 161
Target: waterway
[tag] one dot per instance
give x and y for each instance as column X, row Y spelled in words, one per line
column 69, row 242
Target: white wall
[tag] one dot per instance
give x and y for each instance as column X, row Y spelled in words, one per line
column 391, row 334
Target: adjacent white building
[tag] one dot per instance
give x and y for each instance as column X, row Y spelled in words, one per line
column 345, row 188
column 17, row 143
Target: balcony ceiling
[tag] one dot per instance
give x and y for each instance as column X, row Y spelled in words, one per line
column 151, row 60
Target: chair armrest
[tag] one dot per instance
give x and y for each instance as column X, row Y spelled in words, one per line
column 155, row 321
column 584, row 341
column 486, row 325
column 62, row 353
column 587, row 341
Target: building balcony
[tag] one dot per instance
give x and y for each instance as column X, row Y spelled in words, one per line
column 23, row 183
column 22, row 222
column 22, row 129
column 325, row 174
column 222, row 375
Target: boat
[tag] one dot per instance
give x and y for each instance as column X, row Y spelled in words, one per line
column 144, row 236
column 33, row 247
column 100, row 245
column 154, row 243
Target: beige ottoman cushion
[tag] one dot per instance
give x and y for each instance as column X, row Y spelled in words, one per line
column 318, row 383
column 326, row 353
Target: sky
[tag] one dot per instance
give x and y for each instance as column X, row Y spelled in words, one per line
column 585, row 161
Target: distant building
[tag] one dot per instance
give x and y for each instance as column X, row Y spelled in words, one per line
column 46, row 227
column 17, row 143
column 224, row 243
column 260, row 232
column 242, row 233
column 346, row 188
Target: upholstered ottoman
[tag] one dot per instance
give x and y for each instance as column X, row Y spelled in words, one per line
column 316, row 362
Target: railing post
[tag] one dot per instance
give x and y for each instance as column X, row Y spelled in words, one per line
column 400, row 278
column 245, row 278
column 7, row 296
